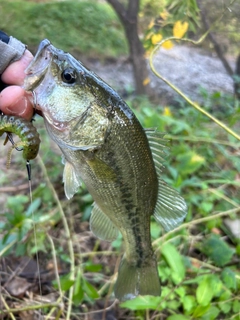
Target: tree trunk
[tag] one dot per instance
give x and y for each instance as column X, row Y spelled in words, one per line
column 216, row 45
column 220, row 55
column 237, row 80
column 129, row 19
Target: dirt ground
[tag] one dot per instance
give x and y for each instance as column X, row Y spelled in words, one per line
column 188, row 68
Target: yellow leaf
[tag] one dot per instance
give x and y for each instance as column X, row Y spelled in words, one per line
column 164, row 15
column 151, row 24
column 156, row 38
column 149, row 36
column 146, row 81
column 167, row 44
column 179, row 28
column 167, row 112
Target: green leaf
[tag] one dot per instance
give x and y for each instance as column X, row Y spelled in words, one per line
column 90, row 290
column 143, row 303
column 206, row 206
column 175, row 262
column 236, row 306
column 205, row 291
column 164, row 272
column 178, row 317
column 65, row 282
column 211, row 313
column 225, row 295
column 200, row 310
column 78, row 293
column 190, row 162
column 20, row 249
column 173, row 304
column 33, row 207
column 217, row 250
column 189, row 302
column 89, row 266
column 225, row 307
column 229, row 278
column 16, row 203
column 181, row 291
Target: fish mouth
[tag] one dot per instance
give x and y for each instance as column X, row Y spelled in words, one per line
column 37, row 68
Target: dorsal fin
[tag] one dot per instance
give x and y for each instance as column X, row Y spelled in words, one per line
column 101, row 225
column 171, row 208
column 158, row 147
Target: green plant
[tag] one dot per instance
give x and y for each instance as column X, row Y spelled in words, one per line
column 79, row 26
column 203, row 280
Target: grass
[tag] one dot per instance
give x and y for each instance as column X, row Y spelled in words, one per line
column 86, row 27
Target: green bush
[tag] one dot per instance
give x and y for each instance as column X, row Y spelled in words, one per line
column 80, row 26
column 197, row 267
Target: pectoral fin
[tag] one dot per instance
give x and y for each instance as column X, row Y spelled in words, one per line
column 101, row 225
column 171, row 208
column 71, row 180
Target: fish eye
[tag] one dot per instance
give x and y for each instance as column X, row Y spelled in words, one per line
column 69, row 76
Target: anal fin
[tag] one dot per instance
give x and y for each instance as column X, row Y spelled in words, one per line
column 101, row 225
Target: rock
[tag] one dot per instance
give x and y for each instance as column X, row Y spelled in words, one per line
column 233, row 226
column 188, row 68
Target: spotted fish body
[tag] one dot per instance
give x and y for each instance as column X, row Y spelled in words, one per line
column 104, row 145
column 25, row 130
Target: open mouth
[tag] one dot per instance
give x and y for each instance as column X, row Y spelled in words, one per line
column 37, row 68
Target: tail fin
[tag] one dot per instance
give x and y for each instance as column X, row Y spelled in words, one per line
column 133, row 281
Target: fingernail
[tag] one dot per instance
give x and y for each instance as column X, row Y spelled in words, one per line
column 18, row 107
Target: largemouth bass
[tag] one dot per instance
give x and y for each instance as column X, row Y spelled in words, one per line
column 104, row 145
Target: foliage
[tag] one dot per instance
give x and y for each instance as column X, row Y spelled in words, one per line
column 80, row 26
column 228, row 25
column 198, row 264
column 174, row 19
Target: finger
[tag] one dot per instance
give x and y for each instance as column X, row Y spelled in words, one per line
column 14, row 74
column 15, row 101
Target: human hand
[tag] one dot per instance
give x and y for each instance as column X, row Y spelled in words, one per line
column 14, row 100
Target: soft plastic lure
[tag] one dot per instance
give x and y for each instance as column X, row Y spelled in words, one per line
column 25, row 130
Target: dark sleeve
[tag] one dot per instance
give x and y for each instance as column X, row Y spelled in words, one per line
column 4, row 37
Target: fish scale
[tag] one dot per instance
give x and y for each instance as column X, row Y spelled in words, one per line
column 122, row 196
column 104, row 145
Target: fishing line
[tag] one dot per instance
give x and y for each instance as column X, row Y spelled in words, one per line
column 28, row 165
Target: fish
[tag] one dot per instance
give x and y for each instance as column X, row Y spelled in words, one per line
column 28, row 134
column 104, row 145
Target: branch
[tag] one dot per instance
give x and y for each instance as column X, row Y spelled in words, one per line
column 197, row 221
column 128, row 15
column 119, row 8
column 216, row 45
